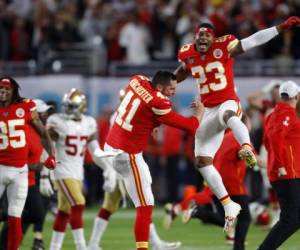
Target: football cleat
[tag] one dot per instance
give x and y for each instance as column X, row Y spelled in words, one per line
column 163, row 245
column 188, row 213
column 246, row 153
column 38, row 245
column 232, row 210
column 170, row 216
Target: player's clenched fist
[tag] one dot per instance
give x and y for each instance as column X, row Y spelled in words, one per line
column 199, row 109
column 50, row 162
column 290, row 22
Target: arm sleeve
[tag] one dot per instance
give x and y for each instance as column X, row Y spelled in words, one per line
column 259, row 38
column 176, row 120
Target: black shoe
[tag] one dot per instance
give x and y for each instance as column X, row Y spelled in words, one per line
column 38, row 245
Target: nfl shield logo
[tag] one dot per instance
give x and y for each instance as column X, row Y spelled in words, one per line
column 218, row 53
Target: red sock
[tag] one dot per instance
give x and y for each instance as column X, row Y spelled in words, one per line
column 14, row 233
column 142, row 225
column 104, row 214
column 76, row 216
column 61, row 221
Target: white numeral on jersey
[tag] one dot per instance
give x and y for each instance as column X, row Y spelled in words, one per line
column 9, row 135
column 198, row 72
column 125, row 122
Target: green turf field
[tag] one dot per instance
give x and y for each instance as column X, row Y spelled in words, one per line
column 194, row 236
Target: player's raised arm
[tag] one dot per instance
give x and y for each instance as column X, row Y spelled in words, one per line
column 181, row 72
column 263, row 36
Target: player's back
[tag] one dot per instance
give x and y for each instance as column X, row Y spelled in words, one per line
column 213, row 70
column 14, row 121
column 71, row 143
column 136, row 116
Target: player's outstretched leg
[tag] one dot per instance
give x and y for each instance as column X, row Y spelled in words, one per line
column 158, row 244
column 241, row 133
column 214, row 181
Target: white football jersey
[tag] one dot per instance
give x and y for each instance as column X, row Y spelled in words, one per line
column 71, row 144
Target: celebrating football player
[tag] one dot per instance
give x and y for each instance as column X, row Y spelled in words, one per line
column 111, row 203
column 73, row 132
column 16, row 115
column 145, row 106
column 210, row 61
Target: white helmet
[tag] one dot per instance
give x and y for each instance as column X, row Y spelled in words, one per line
column 74, row 103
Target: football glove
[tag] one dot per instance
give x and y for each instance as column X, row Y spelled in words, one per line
column 50, row 162
column 46, row 188
column 290, row 22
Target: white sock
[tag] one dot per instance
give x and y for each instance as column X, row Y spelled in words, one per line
column 79, row 239
column 57, row 240
column 214, row 181
column 153, row 236
column 239, row 130
column 98, row 231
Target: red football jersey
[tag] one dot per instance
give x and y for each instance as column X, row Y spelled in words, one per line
column 35, row 150
column 142, row 109
column 14, row 122
column 213, row 70
column 282, row 141
column 231, row 168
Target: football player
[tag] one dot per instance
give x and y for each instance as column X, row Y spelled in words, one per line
column 34, row 210
column 210, row 61
column 73, row 132
column 16, row 114
column 145, row 106
column 112, row 198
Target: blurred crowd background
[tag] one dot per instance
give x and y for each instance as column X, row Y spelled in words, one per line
column 124, row 37
column 134, row 31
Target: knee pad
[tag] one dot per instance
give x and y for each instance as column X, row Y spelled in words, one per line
column 16, row 206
